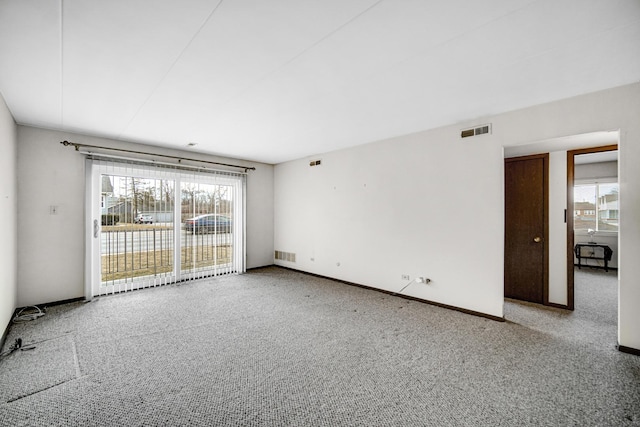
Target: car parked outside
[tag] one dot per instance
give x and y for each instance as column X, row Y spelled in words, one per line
column 208, row 223
column 143, row 219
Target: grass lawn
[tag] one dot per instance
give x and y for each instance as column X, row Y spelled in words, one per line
column 149, row 263
column 134, row 227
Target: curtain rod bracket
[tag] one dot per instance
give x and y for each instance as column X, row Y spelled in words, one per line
column 67, row 143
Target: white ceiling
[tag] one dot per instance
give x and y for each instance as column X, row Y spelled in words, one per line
column 282, row 79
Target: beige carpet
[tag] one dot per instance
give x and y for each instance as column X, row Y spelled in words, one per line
column 275, row 347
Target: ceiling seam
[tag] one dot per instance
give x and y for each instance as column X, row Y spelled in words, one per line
column 380, row 71
column 422, row 52
column 171, row 67
column 298, row 55
column 347, row 83
column 588, row 36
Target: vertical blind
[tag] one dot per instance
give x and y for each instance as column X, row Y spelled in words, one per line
column 161, row 224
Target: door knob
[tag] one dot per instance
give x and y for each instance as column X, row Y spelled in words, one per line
column 537, row 239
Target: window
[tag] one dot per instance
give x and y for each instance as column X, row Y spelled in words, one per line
column 596, row 206
column 160, row 224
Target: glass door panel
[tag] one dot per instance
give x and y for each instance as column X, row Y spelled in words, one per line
column 207, row 229
column 137, row 232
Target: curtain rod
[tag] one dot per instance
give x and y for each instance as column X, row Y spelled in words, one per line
column 181, row 166
column 179, row 159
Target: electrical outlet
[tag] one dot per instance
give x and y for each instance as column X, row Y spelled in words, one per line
column 405, row 277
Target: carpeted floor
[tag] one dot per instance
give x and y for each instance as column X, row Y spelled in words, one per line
column 275, row 347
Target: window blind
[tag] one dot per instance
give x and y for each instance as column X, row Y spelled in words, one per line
column 160, row 224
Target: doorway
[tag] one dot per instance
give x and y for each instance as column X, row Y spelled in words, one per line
column 596, row 214
column 597, row 301
column 526, row 257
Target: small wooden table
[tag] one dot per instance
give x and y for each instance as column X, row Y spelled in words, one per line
column 593, row 251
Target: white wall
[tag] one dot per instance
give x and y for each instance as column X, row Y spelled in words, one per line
column 8, row 215
column 260, row 215
column 397, row 207
column 557, row 228
column 51, row 247
column 432, row 204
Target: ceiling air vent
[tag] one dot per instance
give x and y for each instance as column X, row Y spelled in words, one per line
column 480, row 130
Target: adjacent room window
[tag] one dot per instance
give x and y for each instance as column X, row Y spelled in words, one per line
column 596, row 206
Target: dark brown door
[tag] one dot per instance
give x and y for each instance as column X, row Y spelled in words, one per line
column 526, row 230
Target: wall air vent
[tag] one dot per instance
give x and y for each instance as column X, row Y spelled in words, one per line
column 285, row 256
column 480, row 130
column 315, row 163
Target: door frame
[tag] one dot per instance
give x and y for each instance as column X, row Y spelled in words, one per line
column 570, row 233
column 545, row 190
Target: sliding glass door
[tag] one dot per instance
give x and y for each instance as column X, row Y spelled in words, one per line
column 150, row 226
